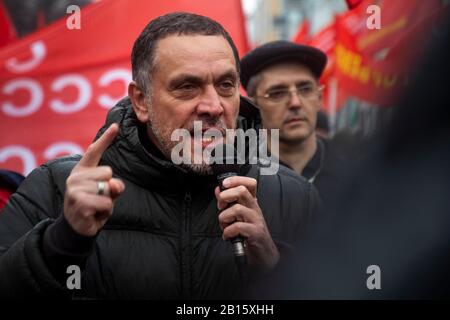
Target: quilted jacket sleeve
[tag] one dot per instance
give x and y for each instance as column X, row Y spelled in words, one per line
column 23, row 271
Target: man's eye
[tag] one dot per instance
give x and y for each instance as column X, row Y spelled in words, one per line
column 226, row 87
column 277, row 94
column 186, row 87
column 306, row 89
column 186, row 91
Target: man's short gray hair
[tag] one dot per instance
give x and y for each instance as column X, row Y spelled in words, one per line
column 178, row 23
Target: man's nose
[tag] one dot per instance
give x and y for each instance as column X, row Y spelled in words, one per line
column 294, row 100
column 210, row 103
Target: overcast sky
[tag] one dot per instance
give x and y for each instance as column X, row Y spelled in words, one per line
column 249, row 6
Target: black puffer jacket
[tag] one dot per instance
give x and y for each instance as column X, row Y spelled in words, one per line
column 163, row 240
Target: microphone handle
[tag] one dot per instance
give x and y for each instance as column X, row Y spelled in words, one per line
column 238, row 242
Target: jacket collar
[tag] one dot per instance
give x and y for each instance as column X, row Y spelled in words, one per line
column 315, row 165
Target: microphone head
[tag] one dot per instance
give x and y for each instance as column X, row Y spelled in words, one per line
column 224, row 159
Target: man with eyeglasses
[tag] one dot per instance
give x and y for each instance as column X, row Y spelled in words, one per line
column 282, row 78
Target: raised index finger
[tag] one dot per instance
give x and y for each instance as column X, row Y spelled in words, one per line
column 95, row 151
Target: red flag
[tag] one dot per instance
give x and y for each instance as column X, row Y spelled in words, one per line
column 302, row 35
column 353, row 3
column 7, row 32
column 324, row 40
column 373, row 65
column 57, row 85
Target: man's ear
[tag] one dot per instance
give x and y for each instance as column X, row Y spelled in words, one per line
column 137, row 97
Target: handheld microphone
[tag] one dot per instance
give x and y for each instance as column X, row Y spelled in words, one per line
column 224, row 164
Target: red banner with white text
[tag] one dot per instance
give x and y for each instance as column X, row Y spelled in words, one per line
column 370, row 65
column 57, row 84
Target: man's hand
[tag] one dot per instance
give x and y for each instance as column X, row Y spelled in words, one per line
column 84, row 208
column 244, row 218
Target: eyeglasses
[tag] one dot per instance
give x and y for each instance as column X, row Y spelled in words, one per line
column 308, row 91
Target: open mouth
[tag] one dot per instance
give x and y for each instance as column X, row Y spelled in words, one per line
column 208, row 136
column 208, row 140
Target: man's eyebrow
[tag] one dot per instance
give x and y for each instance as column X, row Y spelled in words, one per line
column 184, row 77
column 304, row 82
column 194, row 79
column 231, row 74
column 277, row 87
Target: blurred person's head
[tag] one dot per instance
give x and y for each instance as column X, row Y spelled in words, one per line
column 185, row 69
column 282, row 78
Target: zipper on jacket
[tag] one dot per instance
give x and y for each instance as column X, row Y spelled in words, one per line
column 186, row 277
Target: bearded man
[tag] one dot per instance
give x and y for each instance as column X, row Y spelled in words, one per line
column 136, row 224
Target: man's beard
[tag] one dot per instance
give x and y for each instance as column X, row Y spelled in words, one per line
column 165, row 144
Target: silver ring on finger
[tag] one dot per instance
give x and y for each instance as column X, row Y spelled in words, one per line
column 101, row 185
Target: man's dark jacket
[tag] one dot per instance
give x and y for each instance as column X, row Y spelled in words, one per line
column 163, row 240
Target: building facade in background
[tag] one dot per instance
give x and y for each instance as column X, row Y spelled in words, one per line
column 269, row 20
